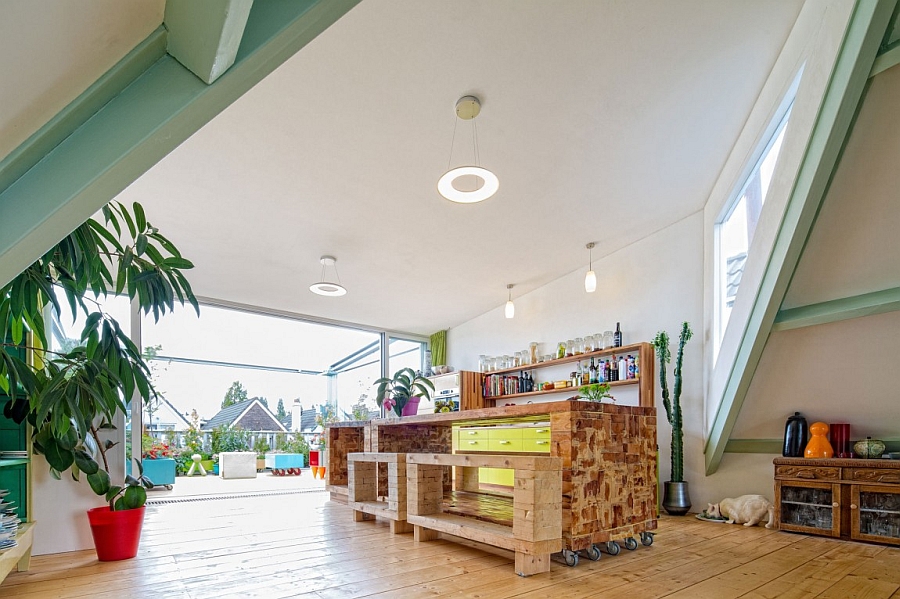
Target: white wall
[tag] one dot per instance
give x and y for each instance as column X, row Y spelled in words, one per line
column 60, row 506
column 651, row 285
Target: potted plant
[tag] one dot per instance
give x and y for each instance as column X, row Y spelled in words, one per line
column 159, row 463
column 402, row 392
column 261, row 446
column 596, row 392
column 71, row 397
column 676, row 498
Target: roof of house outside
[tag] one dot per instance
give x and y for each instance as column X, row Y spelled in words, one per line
column 262, row 417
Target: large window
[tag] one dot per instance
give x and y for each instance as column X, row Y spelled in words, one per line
column 734, row 231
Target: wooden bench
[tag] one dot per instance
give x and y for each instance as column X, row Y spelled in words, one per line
column 536, row 529
column 363, row 488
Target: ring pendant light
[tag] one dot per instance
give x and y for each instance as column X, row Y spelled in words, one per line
column 467, row 108
column 326, row 287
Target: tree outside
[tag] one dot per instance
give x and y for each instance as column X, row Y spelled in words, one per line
column 235, row 394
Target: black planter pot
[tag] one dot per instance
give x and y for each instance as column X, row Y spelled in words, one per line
column 676, row 499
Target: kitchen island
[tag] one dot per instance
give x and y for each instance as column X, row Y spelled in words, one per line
column 607, row 455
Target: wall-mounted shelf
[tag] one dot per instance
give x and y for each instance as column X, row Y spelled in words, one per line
column 625, row 349
column 561, row 390
column 646, row 358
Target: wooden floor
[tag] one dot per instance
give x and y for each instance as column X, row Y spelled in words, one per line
column 304, row 546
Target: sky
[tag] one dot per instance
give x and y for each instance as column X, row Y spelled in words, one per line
column 223, row 335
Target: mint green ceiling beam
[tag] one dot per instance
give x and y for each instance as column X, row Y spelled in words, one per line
column 137, row 126
column 837, row 112
column 845, row 308
column 204, row 35
column 886, row 61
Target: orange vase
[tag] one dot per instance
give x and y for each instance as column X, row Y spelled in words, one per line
column 818, row 446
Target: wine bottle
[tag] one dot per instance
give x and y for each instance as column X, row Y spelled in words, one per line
column 617, row 336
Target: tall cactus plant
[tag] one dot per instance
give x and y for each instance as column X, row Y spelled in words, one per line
column 673, row 405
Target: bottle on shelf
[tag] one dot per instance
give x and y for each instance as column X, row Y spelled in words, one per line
column 601, row 372
column 617, row 336
column 614, row 370
column 593, row 372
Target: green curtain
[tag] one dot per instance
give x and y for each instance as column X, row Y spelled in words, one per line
column 439, row 348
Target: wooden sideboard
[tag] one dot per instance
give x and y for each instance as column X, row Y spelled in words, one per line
column 607, row 451
column 844, row 498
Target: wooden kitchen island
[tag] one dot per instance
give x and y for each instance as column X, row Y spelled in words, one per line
column 607, row 454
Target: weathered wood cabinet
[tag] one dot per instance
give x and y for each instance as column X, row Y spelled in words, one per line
column 608, row 458
column 851, row 499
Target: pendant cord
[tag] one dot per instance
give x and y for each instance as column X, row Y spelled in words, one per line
column 452, row 141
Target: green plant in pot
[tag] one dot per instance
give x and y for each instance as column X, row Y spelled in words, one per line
column 404, row 389
column 676, row 499
column 71, row 397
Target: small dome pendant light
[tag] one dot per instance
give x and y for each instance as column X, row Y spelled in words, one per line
column 325, row 287
column 590, row 279
column 467, row 108
column 510, row 310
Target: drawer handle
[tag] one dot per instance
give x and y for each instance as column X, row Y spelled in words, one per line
column 504, row 442
column 473, row 442
column 473, row 432
column 853, row 506
column 541, row 430
column 541, row 443
column 804, row 474
column 836, row 504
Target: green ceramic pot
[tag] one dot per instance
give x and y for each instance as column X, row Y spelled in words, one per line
column 869, row 448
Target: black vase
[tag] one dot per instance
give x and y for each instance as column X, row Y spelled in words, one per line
column 676, row 499
column 796, row 431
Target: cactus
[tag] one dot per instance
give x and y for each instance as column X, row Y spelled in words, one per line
column 673, row 404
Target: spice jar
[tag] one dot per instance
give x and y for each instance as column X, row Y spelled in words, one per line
column 533, row 347
column 570, row 348
column 561, row 350
column 579, row 346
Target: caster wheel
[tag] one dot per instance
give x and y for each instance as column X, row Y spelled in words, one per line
column 630, row 543
column 571, row 558
column 168, row 487
column 647, row 538
column 593, row 553
column 613, row 548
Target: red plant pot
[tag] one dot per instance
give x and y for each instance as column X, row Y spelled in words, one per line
column 412, row 406
column 117, row 534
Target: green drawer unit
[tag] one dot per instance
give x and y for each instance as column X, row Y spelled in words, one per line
column 15, row 478
column 14, row 472
column 536, row 432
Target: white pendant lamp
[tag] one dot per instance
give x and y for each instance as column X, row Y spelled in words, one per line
column 325, row 287
column 510, row 310
column 590, row 279
column 469, row 191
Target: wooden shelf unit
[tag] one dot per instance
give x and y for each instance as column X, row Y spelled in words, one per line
column 645, row 382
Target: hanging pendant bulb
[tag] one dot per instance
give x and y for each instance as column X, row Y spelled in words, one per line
column 510, row 310
column 590, row 279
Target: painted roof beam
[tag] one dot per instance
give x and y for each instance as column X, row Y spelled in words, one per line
column 204, row 36
column 845, row 308
column 837, row 112
column 55, row 184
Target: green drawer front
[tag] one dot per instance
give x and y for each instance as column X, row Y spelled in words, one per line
column 473, row 444
column 536, row 445
column 497, row 434
column 505, row 445
column 496, row 476
column 540, row 432
column 472, row 433
column 15, row 478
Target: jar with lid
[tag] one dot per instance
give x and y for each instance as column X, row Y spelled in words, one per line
column 561, row 350
column 589, row 344
column 579, row 346
column 482, row 363
column 517, row 359
column 533, row 350
column 570, row 348
column 608, row 339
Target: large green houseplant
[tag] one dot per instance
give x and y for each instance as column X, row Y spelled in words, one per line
column 395, row 393
column 676, row 500
column 71, row 397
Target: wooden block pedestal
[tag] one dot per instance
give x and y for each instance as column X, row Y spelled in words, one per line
column 363, row 488
column 536, row 531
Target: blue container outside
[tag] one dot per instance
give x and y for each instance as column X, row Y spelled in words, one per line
column 160, row 471
column 284, row 460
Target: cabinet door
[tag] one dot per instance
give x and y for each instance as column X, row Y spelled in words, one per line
column 813, row 508
column 875, row 513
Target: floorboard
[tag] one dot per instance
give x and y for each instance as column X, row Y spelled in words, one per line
column 304, row 546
